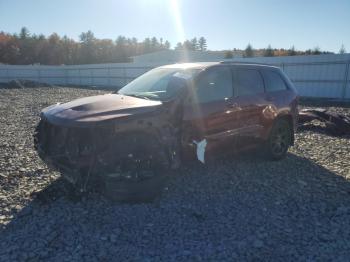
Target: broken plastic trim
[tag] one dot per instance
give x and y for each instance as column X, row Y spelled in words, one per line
column 201, row 149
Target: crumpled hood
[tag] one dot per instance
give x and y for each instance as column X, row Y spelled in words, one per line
column 94, row 109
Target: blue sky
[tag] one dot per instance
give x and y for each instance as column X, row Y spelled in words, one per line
column 225, row 23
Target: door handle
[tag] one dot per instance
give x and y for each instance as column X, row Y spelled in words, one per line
column 270, row 98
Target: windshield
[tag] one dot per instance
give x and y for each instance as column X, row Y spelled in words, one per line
column 159, row 84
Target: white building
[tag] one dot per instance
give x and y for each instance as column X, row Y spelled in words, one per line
column 178, row 56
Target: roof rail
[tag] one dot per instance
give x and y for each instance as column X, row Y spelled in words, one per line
column 247, row 63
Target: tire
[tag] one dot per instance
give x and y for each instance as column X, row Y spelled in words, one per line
column 279, row 140
column 147, row 168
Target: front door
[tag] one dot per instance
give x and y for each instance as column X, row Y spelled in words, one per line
column 210, row 113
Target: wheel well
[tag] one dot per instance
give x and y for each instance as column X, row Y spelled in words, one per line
column 289, row 119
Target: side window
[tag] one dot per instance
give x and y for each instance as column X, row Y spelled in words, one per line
column 248, row 82
column 273, row 81
column 215, row 85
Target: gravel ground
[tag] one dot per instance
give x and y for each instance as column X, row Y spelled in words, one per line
column 236, row 208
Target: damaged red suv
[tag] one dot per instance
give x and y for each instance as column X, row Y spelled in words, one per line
column 125, row 142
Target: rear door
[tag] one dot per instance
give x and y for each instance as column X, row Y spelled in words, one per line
column 279, row 94
column 209, row 112
column 250, row 99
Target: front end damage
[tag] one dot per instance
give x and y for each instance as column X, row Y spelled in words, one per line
column 104, row 153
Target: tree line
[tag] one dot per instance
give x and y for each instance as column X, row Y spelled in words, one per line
column 249, row 51
column 26, row 48
column 194, row 44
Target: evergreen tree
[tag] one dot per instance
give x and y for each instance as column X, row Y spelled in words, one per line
column 26, row 45
column 202, row 44
column 228, row 54
column 342, row 49
column 147, row 45
column 316, row 51
column 87, row 37
column 154, row 43
column 291, row 51
column 179, row 46
column 24, row 33
column 268, row 51
column 187, row 45
column 248, row 52
column 194, row 44
column 167, row 44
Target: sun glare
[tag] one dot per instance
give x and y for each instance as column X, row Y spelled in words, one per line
column 180, row 31
column 175, row 9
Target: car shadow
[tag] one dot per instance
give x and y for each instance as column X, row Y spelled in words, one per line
column 240, row 207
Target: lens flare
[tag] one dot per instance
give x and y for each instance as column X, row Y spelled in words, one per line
column 180, row 31
column 175, row 8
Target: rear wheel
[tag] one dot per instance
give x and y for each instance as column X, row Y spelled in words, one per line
column 279, row 140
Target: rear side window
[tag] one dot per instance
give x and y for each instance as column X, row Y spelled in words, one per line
column 215, row 85
column 248, row 82
column 273, row 81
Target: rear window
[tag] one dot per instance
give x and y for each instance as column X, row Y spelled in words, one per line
column 273, row 81
column 248, row 82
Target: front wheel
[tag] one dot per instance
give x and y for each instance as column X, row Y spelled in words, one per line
column 279, row 140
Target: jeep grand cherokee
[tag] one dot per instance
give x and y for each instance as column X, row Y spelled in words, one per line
column 126, row 141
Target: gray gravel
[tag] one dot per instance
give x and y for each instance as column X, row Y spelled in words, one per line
column 236, row 208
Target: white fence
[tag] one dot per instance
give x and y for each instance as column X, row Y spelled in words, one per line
column 314, row 76
column 113, row 75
